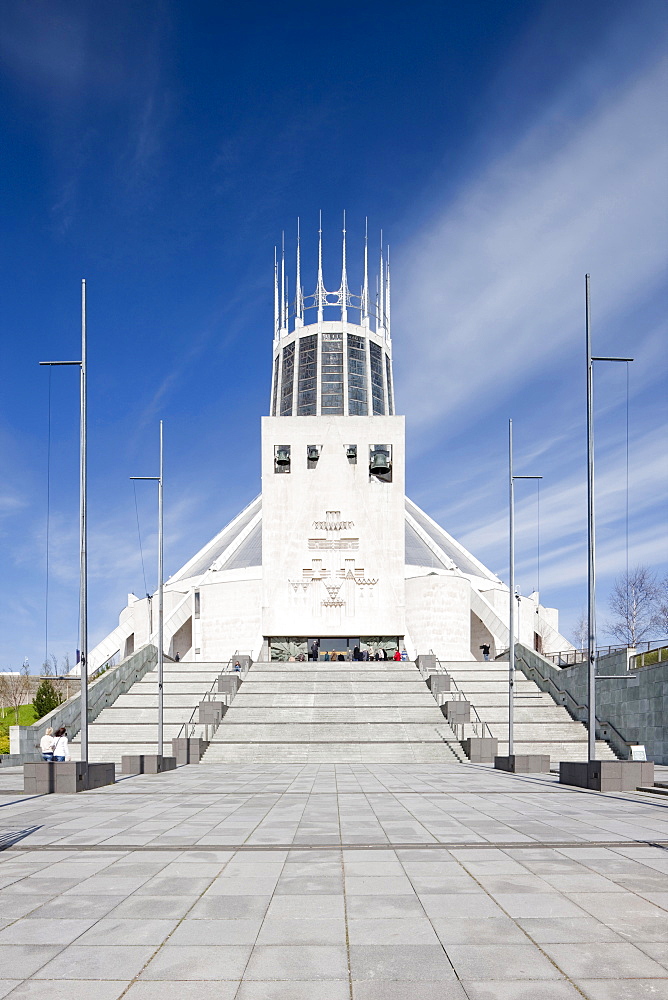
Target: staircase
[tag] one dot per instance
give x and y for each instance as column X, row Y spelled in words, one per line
column 540, row 727
column 335, row 713
column 130, row 724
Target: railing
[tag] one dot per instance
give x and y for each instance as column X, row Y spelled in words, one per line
column 565, row 698
column 205, row 730
column 649, row 658
column 569, row 657
column 479, row 727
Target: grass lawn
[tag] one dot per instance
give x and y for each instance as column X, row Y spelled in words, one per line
column 26, row 716
column 8, row 718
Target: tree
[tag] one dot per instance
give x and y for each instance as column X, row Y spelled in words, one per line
column 634, row 603
column 662, row 609
column 46, row 698
column 581, row 631
column 16, row 689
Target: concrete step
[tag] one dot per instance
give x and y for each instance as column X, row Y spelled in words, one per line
column 239, row 714
column 341, row 753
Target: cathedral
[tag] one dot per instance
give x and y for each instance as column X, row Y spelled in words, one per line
column 332, row 559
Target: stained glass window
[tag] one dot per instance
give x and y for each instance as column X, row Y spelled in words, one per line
column 357, row 390
column 307, row 391
column 288, row 380
column 331, row 361
column 377, row 390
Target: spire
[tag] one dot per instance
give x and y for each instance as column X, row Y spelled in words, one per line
column 365, row 287
column 320, row 293
column 387, row 293
column 275, row 294
column 298, row 291
column 344, row 276
column 282, row 281
column 381, row 288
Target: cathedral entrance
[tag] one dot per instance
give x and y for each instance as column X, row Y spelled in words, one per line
column 327, row 649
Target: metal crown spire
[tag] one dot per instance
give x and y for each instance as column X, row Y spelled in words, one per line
column 365, row 287
column 276, row 327
column 298, row 296
column 320, row 293
column 387, row 292
column 344, row 277
column 381, row 286
column 291, row 313
column 283, row 323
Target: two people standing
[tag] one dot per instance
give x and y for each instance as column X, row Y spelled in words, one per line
column 54, row 746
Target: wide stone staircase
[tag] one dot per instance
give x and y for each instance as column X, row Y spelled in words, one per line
column 334, row 712
column 129, row 725
column 540, row 726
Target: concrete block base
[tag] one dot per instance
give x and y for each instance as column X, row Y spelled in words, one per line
column 524, row 763
column 457, row 711
column 229, row 683
column 188, row 750
column 425, row 662
column 146, row 763
column 211, row 712
column 438, row 683
column 66, row 777
column 480, row 750
column 607, row 775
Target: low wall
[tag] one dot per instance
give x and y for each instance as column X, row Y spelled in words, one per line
column 103, row 691
column 633, row 702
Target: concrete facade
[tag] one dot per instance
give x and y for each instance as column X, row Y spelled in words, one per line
column 333, row 548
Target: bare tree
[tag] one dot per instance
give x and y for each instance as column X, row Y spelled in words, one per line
column 662, row 609
column 634, row 606
column 581, row 631
column 16, row 689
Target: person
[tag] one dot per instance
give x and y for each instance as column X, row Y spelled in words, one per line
column 46, row 745
column 237, row 667
column 397, row 655
column 341, row 658
column 356, row 653
column 384, row 653
column 327, row 656
column 314, row 650
column 60, row 748
column 376, row 656
column 485, row 651
column 177, row 658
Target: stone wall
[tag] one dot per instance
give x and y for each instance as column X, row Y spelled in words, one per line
column 102, row 692
column 636, row 704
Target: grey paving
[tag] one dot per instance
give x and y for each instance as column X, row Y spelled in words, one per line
column 334, row 882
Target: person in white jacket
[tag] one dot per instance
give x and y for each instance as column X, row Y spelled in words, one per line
column 60, row 748
column 46, row 745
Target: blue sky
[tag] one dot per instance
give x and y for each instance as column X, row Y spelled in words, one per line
column 158, row 149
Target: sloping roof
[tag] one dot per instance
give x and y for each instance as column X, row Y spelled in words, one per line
column 427, row 544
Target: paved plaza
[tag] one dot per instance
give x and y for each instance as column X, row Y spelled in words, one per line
column 333, row 882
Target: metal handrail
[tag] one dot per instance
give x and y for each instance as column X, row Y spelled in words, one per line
column 574, row 708
column 462, row 697
column 187, row 730
column 569, row 657
column 639, row 660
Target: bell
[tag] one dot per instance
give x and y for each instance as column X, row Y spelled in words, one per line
column 283, row 456
column 380, row 463
column 313, row 453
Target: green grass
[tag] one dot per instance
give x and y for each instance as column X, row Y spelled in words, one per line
column 8, row 718
column 26, row 716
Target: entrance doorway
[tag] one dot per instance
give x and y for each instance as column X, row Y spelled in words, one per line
column 328, row 648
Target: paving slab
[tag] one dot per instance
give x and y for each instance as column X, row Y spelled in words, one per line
column 370, row 881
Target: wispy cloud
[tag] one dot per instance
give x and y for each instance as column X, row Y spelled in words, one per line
column 494, row 286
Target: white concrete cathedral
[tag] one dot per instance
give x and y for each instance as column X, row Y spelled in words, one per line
column 332, row 552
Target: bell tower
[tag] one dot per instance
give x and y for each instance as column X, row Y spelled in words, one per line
column 332, row 460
